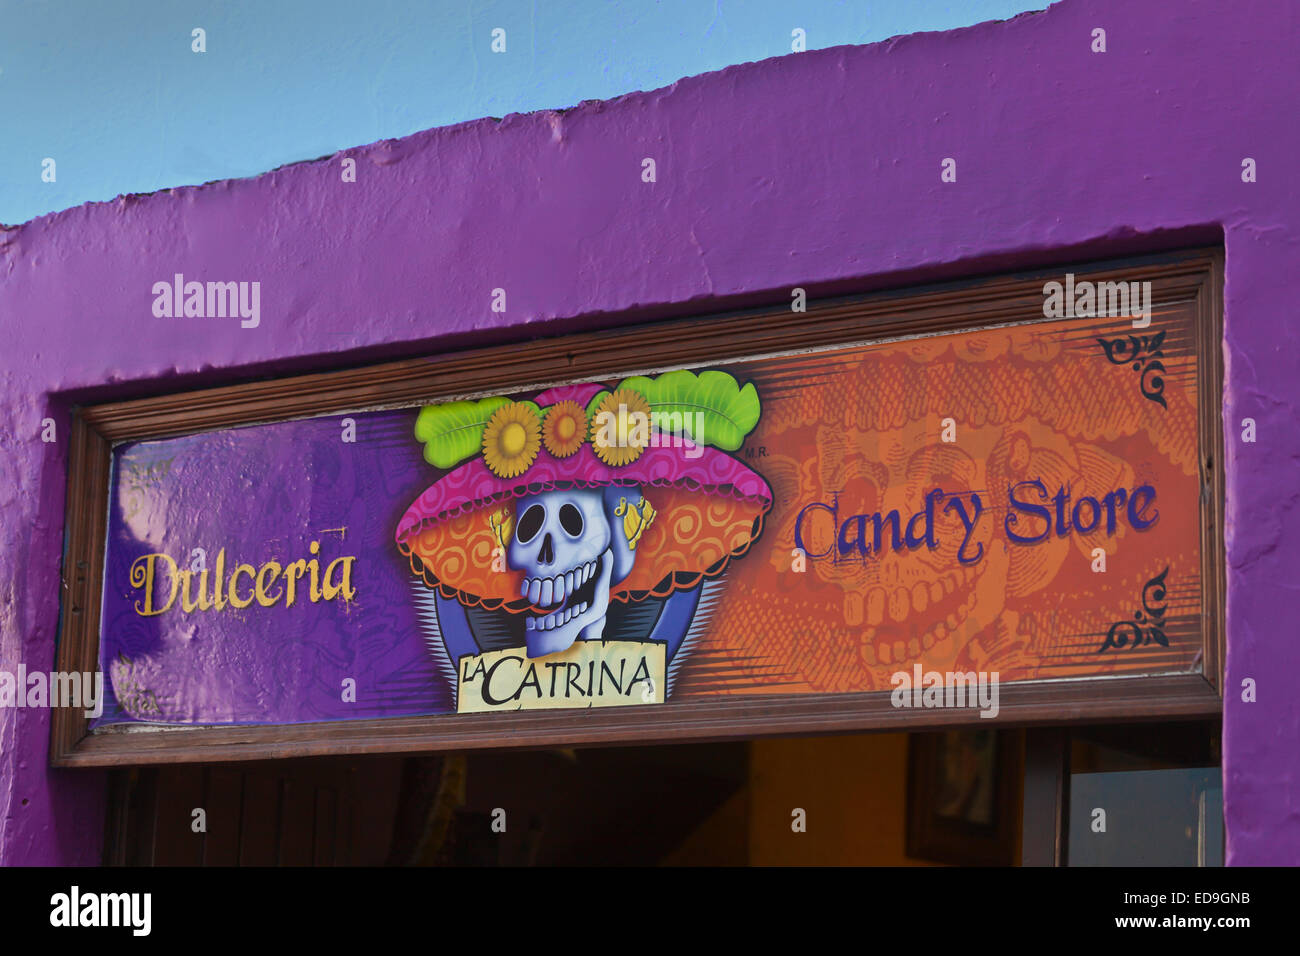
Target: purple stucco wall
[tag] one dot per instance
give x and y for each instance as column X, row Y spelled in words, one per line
column 818, row 169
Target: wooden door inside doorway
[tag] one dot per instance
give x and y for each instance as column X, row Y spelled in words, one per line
column 313, row 812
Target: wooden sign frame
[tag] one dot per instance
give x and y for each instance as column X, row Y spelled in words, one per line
column 1194, row 276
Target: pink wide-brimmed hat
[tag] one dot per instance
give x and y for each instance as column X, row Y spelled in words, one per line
column 706, row 506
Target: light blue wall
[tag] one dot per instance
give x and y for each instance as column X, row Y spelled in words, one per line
column 112, row 92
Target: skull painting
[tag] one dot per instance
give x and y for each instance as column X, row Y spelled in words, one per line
column 572, row 549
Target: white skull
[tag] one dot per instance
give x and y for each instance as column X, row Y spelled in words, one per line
column 571, row 549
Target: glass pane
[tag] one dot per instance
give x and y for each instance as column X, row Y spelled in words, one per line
column 1168, row 817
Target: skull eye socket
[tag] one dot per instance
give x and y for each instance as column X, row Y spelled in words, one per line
column 530, row 523
column 571, row 520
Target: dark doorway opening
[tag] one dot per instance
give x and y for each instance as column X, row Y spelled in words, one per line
column 978, row 797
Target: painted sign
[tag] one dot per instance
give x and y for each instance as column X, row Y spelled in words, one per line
column 1020, row 501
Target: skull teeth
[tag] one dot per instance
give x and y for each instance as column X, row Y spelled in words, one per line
column 554, row 619
column 548, row 592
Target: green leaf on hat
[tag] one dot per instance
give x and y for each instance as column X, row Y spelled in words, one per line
column 595, row 403
column 726, row 411
column 453, row 431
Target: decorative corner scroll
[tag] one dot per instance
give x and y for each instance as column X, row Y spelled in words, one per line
column 1143, row 352
column 1148, row 624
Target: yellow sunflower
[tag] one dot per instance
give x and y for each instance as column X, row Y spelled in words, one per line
column 620, row 429
column 564, row 429
column 511, row 439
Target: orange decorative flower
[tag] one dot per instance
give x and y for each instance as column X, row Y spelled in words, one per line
column 564, row 429
column 620, row 429
column 511, row 440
